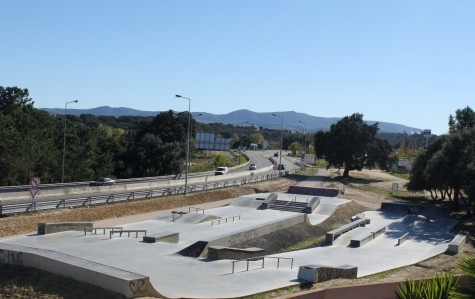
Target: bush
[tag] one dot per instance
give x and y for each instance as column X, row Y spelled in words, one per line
column 438, row 287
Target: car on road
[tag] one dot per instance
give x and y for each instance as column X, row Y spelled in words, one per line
column 281, row 167
column 102, row 182
column 252, row 166
column 276, row 154
column 221, row 170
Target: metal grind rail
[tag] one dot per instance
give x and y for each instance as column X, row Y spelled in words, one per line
column 225, row 220
column 255, row 259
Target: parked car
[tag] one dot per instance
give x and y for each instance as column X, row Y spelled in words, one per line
column 102, row 182
column 221, row 170
column 252, row 166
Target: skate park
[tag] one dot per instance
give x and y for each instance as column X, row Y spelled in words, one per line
column 193, row 252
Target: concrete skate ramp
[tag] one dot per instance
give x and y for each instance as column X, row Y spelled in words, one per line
column 194, row 250
column 315, row 191
column 249, row 202
column 120, row 281
column 195, row 218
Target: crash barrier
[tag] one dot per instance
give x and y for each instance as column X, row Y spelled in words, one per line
column 359, row 241
column 332, row 235
column 45, row 228
column 454, row 245
column 77, row 201
column 262, row 258
column 165, row 237
column 315, row 191
column 402, row 239
column 230, row 253
column 316, row 273
column 94, row 229
column 128, row 231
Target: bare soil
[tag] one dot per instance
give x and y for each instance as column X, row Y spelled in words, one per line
column 366, row 189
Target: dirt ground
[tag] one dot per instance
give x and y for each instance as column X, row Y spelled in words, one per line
column 367, row 190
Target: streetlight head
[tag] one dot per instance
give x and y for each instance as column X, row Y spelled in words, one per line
column 274, row 114
column 75, row 101
column 178, row 96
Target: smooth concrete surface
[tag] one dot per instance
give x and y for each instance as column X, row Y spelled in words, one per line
column 176, row 276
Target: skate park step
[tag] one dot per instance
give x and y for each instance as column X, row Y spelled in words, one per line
column 56, row 227
column 362, row 239
column 166, row 236
column 230, row 253
column 332, row 235
column 289, row 206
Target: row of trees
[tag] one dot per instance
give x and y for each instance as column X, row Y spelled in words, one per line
column 32, row 144
column 122, row 147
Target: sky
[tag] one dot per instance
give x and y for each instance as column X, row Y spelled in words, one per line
column 406, row 62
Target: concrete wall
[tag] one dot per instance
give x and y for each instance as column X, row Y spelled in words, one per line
column 123, row 282
column 382, row 290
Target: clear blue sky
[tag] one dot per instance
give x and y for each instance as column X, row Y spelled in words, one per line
column 408, row 62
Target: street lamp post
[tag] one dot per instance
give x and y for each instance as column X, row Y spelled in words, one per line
column 280, row 151
column 187, row 143
column 64, row 139
column 304, row 136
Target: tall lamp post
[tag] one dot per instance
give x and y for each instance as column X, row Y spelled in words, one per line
column 64, row 139
column 304, row 136
column 280, row 151
column 187, row 142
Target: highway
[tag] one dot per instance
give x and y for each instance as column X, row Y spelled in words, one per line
column 81, row 194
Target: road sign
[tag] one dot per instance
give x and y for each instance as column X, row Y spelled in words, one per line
column 35, row 186
column 426, row 132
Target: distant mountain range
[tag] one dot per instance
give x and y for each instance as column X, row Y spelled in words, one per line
column 291, row 120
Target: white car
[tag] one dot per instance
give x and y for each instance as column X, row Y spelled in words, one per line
column 102, row 182
column 221, row 170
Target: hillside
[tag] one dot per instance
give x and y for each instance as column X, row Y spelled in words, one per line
column 291, row 120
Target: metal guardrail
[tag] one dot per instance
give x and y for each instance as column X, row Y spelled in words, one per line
column 85, row 201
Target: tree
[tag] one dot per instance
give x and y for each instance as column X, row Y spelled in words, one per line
column 14, row 98
column 352, row 144
column 160, row 145
column 294, row 147
column 448, row 164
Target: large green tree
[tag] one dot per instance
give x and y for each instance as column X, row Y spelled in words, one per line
column 352, row 144
column 448, row 165
column 27, row 145
column 160, row 145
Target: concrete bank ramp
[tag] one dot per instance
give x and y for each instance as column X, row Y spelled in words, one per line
column 129, row 284
column 252, row 202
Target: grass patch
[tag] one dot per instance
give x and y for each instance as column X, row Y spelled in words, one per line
column 404, row 176
column 305, row 244
column 385, row 274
